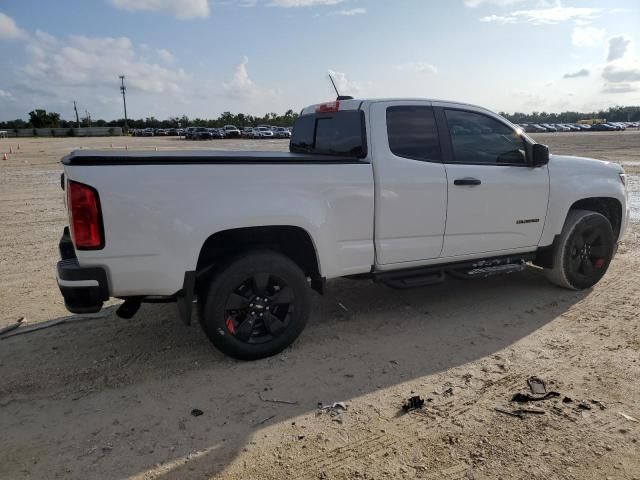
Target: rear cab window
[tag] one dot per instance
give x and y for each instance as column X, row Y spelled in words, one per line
column 337, row 133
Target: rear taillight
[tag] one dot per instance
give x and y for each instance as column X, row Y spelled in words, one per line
column 85, row 218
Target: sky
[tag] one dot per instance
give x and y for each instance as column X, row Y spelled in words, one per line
column 202, row 57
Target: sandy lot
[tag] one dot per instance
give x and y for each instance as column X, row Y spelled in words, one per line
column 112, row 398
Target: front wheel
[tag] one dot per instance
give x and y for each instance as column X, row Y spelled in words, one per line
column 584, row 251
column 256, row 306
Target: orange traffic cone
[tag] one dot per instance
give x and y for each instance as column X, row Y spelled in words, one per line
column 4, row 157
column 10, row 149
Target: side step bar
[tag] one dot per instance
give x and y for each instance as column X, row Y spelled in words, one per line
column 432, row 274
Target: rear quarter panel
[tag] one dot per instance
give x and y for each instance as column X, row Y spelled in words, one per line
column 157, row 217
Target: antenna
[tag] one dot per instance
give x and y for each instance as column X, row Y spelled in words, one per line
column 340, row 97
column 334, row 85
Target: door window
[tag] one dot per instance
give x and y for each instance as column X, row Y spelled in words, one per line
column 480, row 139
column 413, row 133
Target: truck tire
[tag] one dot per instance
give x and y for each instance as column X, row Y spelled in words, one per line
column 584, row 251
column 256, row 305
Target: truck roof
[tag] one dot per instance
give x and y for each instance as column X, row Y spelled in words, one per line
column 357, row 103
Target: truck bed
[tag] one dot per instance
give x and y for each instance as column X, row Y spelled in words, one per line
column 158, row 214
column 200, row 157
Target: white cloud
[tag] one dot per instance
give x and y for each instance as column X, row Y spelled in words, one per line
column 498, row 19
column 303, row 3
column 499, row 3
column 8, row 28
column 619, row 88
column 182, row 9
column 352, row 12
column 5, row 94
column 419, row 67
column 580, row 73
column 344, row 85
column 552, row 15
column 242, row 87
column 617, row 47
column 166, row 56
column 615, row 74
column 587, row 36
column 95, row 61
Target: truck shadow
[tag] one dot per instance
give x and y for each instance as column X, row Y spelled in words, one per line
column 114, row 398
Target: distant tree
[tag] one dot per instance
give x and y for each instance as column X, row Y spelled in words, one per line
column 39, row 118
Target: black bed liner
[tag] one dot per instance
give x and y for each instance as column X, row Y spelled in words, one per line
column 203, row 157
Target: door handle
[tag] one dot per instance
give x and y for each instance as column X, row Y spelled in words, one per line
column 467, row 181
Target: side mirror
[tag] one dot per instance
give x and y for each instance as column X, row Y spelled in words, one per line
column 540, row 155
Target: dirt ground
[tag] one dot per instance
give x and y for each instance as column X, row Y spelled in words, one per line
column 112, row 398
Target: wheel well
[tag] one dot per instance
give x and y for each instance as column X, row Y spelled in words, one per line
column 294, row 242
column 609, row 207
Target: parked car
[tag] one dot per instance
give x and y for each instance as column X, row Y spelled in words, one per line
column 549, row 127
column 230, row 131
column 582, row 126
column 217, row 133
column 274, row 223
column 602, row 127
column 281, row 132
column 561, row 128
column 534, row 128
column 262, row 132
column 147, row 132
column 201, row 133
column 247, row 132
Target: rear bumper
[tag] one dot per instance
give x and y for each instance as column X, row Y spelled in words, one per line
column 84, row 288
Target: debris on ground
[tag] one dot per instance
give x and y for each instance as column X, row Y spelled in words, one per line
column 196, row 412
column 414, row 402
column 584, row 406
column 11, row 327
column 628, row 417
column 276, row 400
column 520, row 412
column 337, row 407
column 536, row 385
column 567, row 400
column 525, row 397
column 52, row 323
column 335, row 410
column 599, row 404
column 264, row 420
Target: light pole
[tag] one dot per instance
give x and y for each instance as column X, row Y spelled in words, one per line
column 123, row 89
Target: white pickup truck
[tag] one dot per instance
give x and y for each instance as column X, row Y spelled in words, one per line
column 399, row 191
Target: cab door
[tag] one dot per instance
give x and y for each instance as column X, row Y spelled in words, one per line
column 496, row 202
column 410, row 182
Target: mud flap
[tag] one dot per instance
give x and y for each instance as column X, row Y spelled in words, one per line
column 184, row 299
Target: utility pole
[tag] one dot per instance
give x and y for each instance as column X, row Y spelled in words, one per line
column 75, row 107
column 88, row 118
column 123, row 89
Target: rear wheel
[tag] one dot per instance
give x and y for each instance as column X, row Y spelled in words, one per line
column 256, row 306
column 584, row 251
